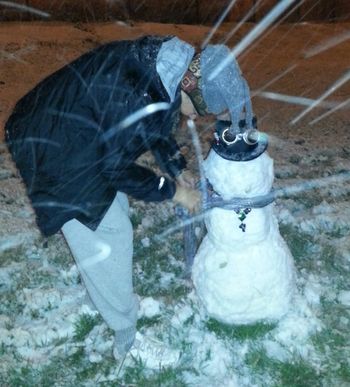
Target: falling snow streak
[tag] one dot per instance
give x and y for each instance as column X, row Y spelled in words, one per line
column 273, row 80
column 25, row 8
column 239, row 25
column 274, row 26
column 327, row 44
column 270, row 50
column 340, row 82
column 342, row 105
column 253, row 34
column 137, row 116
column 293, row 99
column 217, row 24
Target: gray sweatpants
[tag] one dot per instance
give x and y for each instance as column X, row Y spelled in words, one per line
column 104, row 260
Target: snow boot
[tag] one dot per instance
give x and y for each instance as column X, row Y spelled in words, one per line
column 152, row 353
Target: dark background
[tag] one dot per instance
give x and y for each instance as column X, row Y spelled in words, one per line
column 173, row 11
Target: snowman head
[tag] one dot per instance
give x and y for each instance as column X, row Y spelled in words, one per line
column 239, row 179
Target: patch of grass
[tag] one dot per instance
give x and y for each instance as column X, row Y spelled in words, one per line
column 34, row 314
column 134, row 373
column 88, row 371
column 136, row 217
column 164, row 377
column 12, row 255
column 2, row 349
column 145, row 322
column 239, row 332
column 154, row 263
column 55, row 374
column 343, row 371
column 169, row 377
column 299, row 374
column 10, row 305
column 22, row 377
column 39, row 278
column 326, row 260
column 63, row 260
column 75, row 360
column 295, row 159
column 333, row 342
column 289, row 374
column 175, row 292
column 298, row 242
column 258, row 359
column 330, row 260
column 310, row 199
column 70, row 371
column 84, row 325
column 58, row 252
column 329, row 338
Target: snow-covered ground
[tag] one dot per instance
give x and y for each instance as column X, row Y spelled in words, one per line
column 49, row 335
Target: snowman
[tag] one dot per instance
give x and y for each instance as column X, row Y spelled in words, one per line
column 243, row 271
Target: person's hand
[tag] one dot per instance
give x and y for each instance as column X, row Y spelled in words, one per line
column 186, row 179
column 187, row 197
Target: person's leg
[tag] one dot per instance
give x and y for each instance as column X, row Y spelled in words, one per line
column 104, row 260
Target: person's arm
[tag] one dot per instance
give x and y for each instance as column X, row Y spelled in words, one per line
column 168, row 156
column 141, row 183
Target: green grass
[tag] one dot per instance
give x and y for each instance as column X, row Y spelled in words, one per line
column 299, row 243
column 154, row 263
column 309, row 199
column 332, row 343
column 295, row 159
column 239, row 332
column 70, row 371
column 285, row 374
column 136, row 375
column 145, row 322
column 12, row 255
column 10, row 305
column 85, row 325
column 22, row 377
column 331, row 262
column 298, row 374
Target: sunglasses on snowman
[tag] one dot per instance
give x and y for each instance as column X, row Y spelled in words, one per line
column 250, row 136
column 243, row 146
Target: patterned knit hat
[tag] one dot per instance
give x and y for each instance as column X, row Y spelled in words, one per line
column 191, row 84
column 226, row 90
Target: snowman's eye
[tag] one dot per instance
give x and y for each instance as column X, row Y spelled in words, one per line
column 230, row 138
column 251, row 136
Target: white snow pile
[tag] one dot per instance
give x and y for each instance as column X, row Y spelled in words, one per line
column 149, row 307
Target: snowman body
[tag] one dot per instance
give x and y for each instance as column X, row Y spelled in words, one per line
column 243, row 277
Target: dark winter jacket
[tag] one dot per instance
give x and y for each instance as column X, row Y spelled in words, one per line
column 66, row 139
